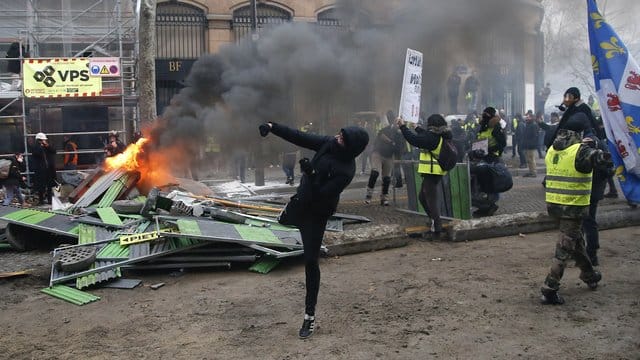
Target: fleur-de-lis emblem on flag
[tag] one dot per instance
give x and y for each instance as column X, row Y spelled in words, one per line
column 632, row 128
column 612, row 48
column 595, row 64
column 597, row 20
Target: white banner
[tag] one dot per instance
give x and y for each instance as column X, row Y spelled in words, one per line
column 411, row 87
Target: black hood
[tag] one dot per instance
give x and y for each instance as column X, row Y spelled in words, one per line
column 355, row 140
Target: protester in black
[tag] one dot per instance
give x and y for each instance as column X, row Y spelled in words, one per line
column 14, row 180
column 324, row 178
column 44, row 166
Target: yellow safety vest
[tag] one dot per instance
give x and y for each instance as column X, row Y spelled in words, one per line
column 515, row 123
column 564, row 184
column 492, row 141
column 429, row 164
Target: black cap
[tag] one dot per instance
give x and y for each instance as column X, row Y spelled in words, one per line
column 490, row 111
column 573, row 91
column 578, row 122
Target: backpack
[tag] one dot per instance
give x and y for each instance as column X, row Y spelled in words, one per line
column 5, row 168
column 448, row 155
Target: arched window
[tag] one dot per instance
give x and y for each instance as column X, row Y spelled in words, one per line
column 181, row 31
column 266, row 16
column 329, row 17
column 181, row 37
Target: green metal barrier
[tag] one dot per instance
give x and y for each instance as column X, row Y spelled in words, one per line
column 455, row 199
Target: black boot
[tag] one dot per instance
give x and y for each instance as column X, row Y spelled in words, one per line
column 373, row 177
column 551, row 297
column 592, row 281
column 386, row 182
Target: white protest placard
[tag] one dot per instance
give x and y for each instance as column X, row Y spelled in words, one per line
column 411, row 87
column 481, row 145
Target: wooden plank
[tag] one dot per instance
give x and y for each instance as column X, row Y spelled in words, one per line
column 84, row 185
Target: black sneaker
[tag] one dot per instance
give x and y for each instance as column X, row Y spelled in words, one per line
column 592, row 282
column 384, row 202
column 492, row 210
column 551, row 297
column 308, row 326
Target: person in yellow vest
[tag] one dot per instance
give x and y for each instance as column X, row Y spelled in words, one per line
column 492, row 133
column 429, row 141
column 570, row 163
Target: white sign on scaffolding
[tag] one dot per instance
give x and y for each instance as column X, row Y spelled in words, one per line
column 411, row 87
column 102, row 66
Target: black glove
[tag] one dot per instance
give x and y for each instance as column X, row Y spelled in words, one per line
column 305, row 166
column 264, row 129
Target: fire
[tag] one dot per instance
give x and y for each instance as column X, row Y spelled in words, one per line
column 154, row 165
column 127, row 160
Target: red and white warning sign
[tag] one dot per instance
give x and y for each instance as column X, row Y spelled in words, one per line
column 104, row 66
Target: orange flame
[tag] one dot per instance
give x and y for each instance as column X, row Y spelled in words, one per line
column 154, row 166
column 128, row 160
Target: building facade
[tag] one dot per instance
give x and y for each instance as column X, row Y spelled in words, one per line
column 506, row 59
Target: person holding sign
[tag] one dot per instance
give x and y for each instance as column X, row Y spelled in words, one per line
column 488, row 148
column 430, row 142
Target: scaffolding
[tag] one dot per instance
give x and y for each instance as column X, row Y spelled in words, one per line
column 63, row 30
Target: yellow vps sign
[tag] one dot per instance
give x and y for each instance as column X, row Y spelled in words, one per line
column 57, row 78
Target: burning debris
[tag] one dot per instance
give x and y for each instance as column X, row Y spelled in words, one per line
column 113, row 223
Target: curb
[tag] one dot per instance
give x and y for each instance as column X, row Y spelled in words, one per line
column 380, row 237
column 361, row 240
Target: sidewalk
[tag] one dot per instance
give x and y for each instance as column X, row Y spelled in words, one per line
column 522, row 210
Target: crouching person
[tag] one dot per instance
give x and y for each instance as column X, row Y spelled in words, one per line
column 570, row 165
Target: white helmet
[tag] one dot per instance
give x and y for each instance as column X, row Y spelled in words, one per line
column 41, row 136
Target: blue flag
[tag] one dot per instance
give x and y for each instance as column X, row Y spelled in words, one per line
column 617, row 80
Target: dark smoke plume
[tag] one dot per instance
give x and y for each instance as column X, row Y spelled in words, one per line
column 298, row 72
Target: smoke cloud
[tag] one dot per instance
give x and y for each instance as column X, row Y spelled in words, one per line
column 299, row 72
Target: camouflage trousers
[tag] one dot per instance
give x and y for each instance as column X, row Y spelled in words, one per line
column 571, row 245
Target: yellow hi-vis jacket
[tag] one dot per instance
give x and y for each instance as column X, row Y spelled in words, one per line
column 428, row 163
column 564, row 184
column 492, row 141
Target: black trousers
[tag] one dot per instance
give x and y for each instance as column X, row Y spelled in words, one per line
column 590, row 230
column 430, row 199
column 312, row 232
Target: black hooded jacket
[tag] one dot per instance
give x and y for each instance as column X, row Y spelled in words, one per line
column 573, row 121
column 334, row 165
column 15, row 176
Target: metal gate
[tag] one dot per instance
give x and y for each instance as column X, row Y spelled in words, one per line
column 181, row 35
column 267, row 16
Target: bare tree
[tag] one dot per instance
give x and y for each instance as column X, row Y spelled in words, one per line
column 567, row 57
column 146, row 61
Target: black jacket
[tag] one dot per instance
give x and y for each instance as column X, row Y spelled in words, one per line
column 389, row 142
column 334, row 165
column 44, row 163
column 426, row 139
column 530, row 135
column 569, row 116
column 15, row 176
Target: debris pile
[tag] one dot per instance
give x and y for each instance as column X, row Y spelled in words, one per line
column 110, row 227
